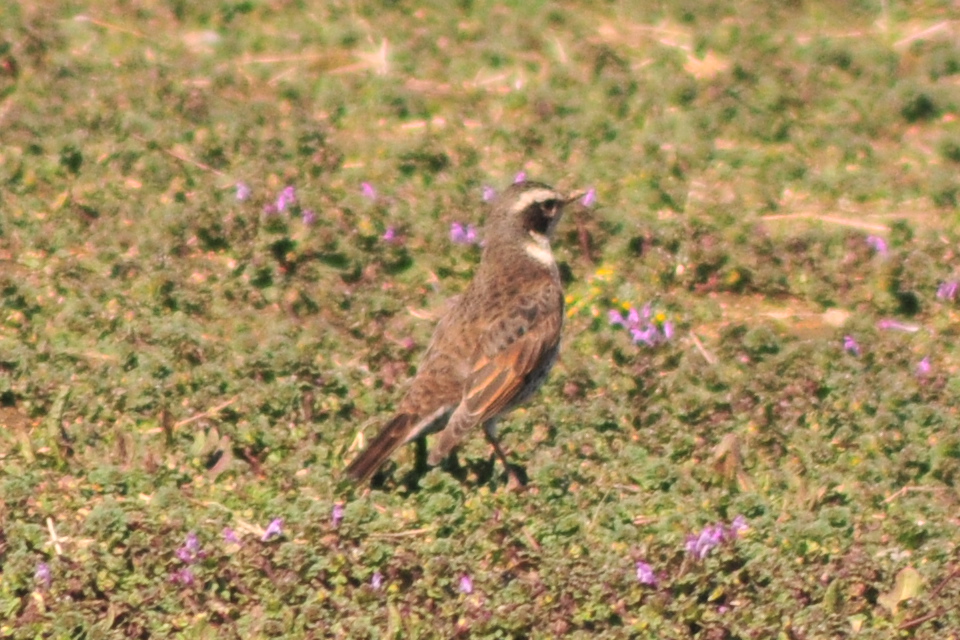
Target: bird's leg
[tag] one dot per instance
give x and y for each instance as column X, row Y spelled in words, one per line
column 451, row 464
column 490, row 430
column 412, row 478
column 420, row 456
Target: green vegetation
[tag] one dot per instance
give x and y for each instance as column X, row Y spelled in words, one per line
column 180, row 367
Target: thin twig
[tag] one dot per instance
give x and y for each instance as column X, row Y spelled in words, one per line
column 920, row 620
column 529, row 537
column 349, row 68
column 596, row 512
column 54, row 538
column 205, row 414
column 377, row 60
column 930, row 616
column 709, row 357
column 272, row 82
column 92, row 355
column 304, row 57
column 879, row 228
column 183, row 158
column 908, row 489
column 402, row 534
column 111, row 26
column 940, row 26
column 953, row 574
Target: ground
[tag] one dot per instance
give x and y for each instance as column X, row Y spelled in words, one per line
column 226, row 231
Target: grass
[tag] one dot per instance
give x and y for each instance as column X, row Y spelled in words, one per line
column 180, row 368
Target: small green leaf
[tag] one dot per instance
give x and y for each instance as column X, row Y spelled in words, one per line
column 907, row 586
column 856, row 622
column 716, row 594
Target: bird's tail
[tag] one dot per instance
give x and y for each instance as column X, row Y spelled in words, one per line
column 382, row 447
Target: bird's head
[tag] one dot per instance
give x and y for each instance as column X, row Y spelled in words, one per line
column 526, row 211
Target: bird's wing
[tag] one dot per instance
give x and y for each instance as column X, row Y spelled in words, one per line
column 507, row 357
column 497, row 379
column 511, row 351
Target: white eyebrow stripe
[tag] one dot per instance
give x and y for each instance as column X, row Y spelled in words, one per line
column 536, row 195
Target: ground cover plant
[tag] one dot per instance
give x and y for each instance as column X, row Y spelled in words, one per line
column 226, row 230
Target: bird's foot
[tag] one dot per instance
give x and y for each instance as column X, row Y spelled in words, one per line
column 516, row 478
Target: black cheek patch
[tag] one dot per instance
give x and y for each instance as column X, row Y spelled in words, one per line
column 537, row 217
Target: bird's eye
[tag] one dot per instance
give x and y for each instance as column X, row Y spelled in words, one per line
column 538, row 216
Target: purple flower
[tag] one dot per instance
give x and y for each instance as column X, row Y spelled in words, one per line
column 738, row 526
column 270, row 209
column 466, row 585
column 850, row 345
column 390, row 235
column 274, row 529
column 368, row 191
column 642, row 326
column 699, row 546
column 460, row 234
column 879, row 244
column 190, row 552
column 336, row 516
column 183, row 576
column 489, row 193
column 667, row 330
column 948, row 290
column 647, row 335
column 589, row 197
column 889, row 323
column 521, row 177
column 243, row 191
column 924, row 368
column 230, row 536
column 309, row 216
column 645, row 574
column 376, row 581
column 286, row 198
column 43, row 575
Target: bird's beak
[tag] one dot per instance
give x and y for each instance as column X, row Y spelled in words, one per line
column 576, row 195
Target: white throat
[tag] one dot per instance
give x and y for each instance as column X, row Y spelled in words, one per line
column 538, row 248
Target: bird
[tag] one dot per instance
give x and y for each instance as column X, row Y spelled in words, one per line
column 496, row 343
